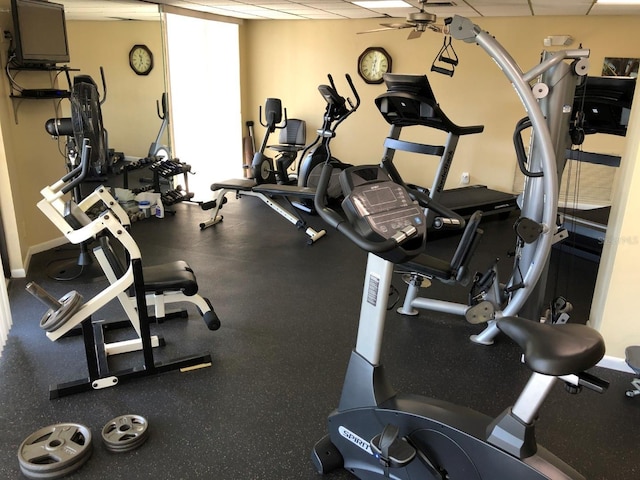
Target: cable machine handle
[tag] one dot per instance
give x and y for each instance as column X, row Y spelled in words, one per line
column 521, row 154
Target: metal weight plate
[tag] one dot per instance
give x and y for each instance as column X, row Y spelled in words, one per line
column 54, row 319
column 55, row 451
column 125, row 433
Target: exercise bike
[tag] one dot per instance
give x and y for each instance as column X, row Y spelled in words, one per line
column 267, row 183
column 378, row 433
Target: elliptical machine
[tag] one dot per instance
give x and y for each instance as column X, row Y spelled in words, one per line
column 157, row 149
column 315, row 155
column 378, row 433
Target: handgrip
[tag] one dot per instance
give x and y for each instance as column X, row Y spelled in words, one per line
column 444, row 223
column 447, row 217
column 518, row 144
column 441, row 70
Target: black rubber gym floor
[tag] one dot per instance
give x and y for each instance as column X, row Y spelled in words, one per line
column 289, row 315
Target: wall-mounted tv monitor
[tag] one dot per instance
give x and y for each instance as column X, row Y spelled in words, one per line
column 606, row 103
column 39, row 33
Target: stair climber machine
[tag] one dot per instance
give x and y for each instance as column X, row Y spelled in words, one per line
column 378, row 433
column 315, row 154
column 537, row 228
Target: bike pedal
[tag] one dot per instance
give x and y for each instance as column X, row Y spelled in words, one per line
column 390, row 450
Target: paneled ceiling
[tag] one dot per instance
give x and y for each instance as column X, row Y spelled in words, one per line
column 336, row 9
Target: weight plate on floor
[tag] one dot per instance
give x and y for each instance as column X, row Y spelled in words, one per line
column 125, row 433
column 55, row 451
column 54, row 319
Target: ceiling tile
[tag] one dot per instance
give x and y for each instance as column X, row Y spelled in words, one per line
column 553, row 7
column 319, row 9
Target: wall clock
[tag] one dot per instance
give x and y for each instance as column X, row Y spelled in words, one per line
column 141, row 59
column 373, row 63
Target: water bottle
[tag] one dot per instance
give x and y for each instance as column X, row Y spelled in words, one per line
column 159, row 209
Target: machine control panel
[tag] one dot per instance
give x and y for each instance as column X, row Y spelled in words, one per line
column 376, row 205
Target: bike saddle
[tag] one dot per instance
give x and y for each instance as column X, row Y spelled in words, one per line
column 553, row 349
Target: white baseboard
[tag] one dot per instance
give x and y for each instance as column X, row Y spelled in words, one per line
column 34, row 249
column 614, row 363
column 18, row 272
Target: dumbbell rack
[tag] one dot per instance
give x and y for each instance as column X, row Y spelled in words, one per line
column 168, row 169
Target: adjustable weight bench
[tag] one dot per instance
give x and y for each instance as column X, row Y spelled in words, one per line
column 164, row 284
column 173, row 282
column 264, row 192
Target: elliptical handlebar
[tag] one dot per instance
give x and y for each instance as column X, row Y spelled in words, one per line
column 332, row 97
column 78, row 174
column 104, row 86
column 272, row 114
column 163, row 101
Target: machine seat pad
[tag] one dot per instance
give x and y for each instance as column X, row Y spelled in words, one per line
column 171, row 276
column 555, row 349
column 286, row 148
column 285, row 190
column 240, row 184
column 429, row 267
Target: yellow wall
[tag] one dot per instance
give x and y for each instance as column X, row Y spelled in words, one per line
column 129, row 113
column 33, row 159
column 288, row 59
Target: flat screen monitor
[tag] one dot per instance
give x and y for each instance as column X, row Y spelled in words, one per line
column 40, row 33
column 606, row 103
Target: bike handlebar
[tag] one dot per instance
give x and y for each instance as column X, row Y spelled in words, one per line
column 341, row 224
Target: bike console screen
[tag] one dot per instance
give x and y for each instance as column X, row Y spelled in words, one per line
column 376, row 206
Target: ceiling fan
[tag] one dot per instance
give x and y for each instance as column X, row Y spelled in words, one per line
column 418, row 21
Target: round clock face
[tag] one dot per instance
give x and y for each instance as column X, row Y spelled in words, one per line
column 141, row 59
column 373, row 64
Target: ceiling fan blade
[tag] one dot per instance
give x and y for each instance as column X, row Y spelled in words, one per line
column 414, row 34
column 397, row 25
column 436, row 28
column 376, row 30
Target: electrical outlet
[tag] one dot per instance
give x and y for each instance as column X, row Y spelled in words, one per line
column 465, row 178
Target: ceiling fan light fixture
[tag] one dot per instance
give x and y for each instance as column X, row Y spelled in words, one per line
column 377, row 4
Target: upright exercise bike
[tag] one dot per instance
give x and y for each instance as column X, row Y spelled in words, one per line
column 378, row 433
